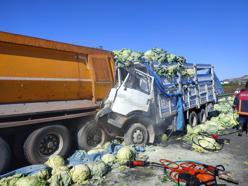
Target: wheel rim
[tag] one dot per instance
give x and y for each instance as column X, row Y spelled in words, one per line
column 138, row 136
column 50, row 144
column 194, row 121
column 204, row 118
column 94, row 137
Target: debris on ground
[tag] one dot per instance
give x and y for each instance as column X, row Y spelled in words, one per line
column 204, row 137
column 90, row 167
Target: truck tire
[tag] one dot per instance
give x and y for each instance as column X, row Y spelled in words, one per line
column 136, row 134
column 17, row 145
column 90, row 136
column 47, row 141
column 5, row 155
column 202, row 116
column 209, row 108
column 193, row 118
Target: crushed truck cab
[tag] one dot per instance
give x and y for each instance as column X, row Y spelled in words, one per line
column 143, row 105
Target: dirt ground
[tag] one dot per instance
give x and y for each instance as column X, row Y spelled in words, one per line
column 232, row 156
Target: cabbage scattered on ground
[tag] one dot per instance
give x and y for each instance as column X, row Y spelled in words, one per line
column 60, row 176
column 98, row 169
column 30, row 181
column 80, row 173
column 125, row 154
column 43, row 174
column 108, row 159
column 205, row 144
column 163, row 138
column 11, row 180
column 217, row 125
column 55, row 161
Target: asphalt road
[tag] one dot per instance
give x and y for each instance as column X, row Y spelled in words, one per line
column 232, row 156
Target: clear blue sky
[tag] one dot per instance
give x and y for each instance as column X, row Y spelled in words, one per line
column 204, row 31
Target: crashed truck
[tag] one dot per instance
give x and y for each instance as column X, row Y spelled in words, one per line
column 143, row 105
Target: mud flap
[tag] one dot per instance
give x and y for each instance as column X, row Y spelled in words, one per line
column 180, row 124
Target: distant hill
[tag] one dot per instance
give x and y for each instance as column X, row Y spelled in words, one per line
column 241, row 79
column 232, row 84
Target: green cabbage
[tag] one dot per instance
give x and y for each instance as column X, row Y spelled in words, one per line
column 188, row 72
column 108, row 159
column 43, row 174
column 80, row 173
column 30, row 181
column 125, row 154
column 163, row 138
column 189, row 129
column 106, row 145
column 205, row 142
column 11, row 180
column 171, row 58
column 156, row 55
column 98, row 169
column 55, row 161
column 167, row 65
column 60, row 176
column 126, row 57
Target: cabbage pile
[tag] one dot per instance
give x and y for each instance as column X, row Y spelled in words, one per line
column 157, row 55
column 216, row 125
column 166, row 64
column 126, row 57
column 62, row 173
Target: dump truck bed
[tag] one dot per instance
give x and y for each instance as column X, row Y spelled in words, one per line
column 38, row 70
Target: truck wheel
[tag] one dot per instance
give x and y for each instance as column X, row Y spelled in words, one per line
column 91, row 135
column 5, row 155
column 45, row 142
column 209, row 109
column 193, row 118
column 136, row 134
column 202, row 116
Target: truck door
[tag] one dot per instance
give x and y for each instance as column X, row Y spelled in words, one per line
column 134, row 94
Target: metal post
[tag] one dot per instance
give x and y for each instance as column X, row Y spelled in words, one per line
column 213, row 83
column 119, row 76
column 196, row 88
